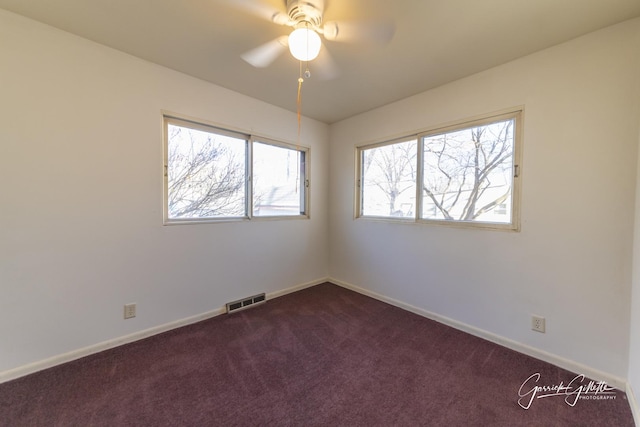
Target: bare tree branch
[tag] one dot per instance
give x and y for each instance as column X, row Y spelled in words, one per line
column 205, row 177
column 460, row 167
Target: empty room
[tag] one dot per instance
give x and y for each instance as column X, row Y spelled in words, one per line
column 322, row 212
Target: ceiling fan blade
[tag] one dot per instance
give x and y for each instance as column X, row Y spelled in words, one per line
column 263, row 55
column 260, row 10
column 359, row 31
column 324, row 67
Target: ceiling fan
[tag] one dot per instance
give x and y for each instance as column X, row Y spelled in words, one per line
column 305, row 42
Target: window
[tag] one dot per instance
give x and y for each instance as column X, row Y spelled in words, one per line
column 215, row 174
column 389, row 179
column 462, row 174
column 206, row 175
column 278, row 180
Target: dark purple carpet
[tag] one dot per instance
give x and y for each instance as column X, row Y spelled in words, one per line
column 324, row 356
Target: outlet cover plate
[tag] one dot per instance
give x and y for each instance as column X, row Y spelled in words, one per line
column 129, row 311
column 538, row 324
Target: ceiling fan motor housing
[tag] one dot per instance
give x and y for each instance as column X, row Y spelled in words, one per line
column 302, row 11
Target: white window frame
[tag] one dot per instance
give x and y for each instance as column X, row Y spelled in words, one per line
column 171, row 118
column 360, row 172
column 304, row 178
column 517, row 114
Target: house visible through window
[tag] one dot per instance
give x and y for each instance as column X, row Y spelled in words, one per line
column 278, row 180
column 465, row 174
column 216, row 174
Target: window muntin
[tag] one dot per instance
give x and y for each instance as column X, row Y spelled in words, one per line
column 278, row 180
column 466, row 175
column 208, row 175
column 388, row 179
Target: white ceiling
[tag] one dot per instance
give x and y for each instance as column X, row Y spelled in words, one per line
column 435, row 42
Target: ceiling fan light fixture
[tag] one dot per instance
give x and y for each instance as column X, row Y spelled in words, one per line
column 304, row 44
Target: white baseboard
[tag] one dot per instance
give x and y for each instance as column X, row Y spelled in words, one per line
column 102, row 346
column 556, row 360
column 570, row 365
column 296, row 288
column 136, row 336
column 633, row 403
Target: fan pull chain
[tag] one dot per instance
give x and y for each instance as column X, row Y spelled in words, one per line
column 299, row 109
column 307, row 74
column 299, row 103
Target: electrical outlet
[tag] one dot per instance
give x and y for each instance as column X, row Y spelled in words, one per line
column 129, row 311
column 538, row 324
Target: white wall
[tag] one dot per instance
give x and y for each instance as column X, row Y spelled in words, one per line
column 571, row 262
column 634, row 340
column 81, row 229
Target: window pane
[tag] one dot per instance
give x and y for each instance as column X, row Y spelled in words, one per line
column 278, row 180
column 388, row 181
column 206, row 174
column 468, row 174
